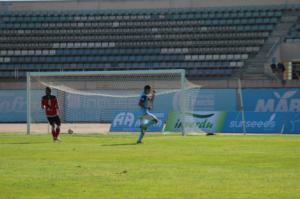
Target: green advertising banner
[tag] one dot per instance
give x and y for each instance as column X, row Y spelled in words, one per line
column 196, row 122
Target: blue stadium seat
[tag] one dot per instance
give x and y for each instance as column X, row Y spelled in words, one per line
column 168, row 38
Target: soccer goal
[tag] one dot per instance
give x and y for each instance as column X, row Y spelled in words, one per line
column 90, row 101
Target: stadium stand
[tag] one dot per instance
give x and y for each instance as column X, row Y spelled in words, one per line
column 204, row 41
column 294, row 34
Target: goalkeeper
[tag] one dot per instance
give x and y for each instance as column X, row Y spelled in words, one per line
column 50, row 105
column 146, row 104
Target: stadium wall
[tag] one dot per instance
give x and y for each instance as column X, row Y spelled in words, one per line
column 289, row 51
column 134, row 4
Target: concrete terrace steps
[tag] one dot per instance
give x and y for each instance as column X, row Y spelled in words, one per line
column 255, row 67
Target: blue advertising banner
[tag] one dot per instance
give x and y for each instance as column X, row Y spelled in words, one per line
column 272, row 100
column 258, row 122
column 12, row 106
column 126, row 121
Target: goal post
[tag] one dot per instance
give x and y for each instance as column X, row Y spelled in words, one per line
column 28, row 102
column 90, row 98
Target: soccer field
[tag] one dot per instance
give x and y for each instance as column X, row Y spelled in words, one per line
column 165, row 166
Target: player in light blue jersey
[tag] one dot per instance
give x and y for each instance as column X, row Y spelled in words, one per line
column 146, row 104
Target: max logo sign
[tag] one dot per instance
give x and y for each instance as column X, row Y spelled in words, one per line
column 280, row 103
column 130, row 122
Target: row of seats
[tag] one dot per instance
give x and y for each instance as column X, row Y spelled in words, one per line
column 137, row 30
column 17, row 74
column 136, row 58
column 203, row 22
column 294, row 34
column 138, row 44
column 137, row 37
column 148, row 14
column 195, row 72
column 129, row 51
column 292, row 40
column 97, row 66
column 179, row 14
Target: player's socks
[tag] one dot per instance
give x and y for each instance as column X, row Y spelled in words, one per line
column 54, row 134
column 141, row 137
column 57, row 131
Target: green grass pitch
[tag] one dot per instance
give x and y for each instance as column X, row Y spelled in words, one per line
column 165, row 166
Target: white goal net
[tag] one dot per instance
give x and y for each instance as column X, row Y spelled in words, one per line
column 89, row 101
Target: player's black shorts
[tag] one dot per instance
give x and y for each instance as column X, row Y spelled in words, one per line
column 54, row 120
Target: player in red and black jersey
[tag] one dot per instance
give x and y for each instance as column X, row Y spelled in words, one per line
column 50, row 105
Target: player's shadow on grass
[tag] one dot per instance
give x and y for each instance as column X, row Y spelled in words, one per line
column 119, row 144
